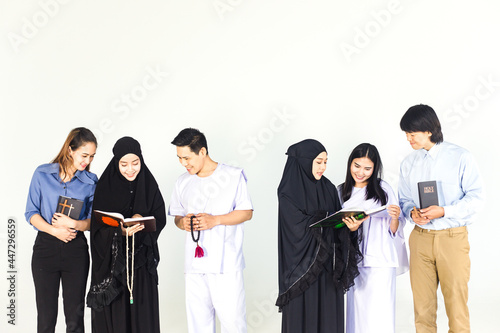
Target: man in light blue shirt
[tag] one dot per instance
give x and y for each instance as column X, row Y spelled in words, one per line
column 439, row 246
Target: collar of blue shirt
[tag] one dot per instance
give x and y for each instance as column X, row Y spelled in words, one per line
column 53, row 168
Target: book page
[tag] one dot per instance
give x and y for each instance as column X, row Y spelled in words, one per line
column 137, row 219
column 117, row 215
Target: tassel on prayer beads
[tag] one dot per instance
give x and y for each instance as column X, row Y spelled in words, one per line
column 199, row 252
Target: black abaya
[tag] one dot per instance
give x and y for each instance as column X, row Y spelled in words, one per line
column 316, row 266
column 109, row 296
column 319, row 309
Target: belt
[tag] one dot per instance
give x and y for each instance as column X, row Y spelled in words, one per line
column 450, row 231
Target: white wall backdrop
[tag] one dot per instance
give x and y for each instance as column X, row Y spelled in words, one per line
column 255, row 77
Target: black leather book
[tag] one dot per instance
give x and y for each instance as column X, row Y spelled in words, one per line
column 427, row 194
column 70, row 207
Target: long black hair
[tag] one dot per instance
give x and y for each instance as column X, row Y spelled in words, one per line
column 373, row 189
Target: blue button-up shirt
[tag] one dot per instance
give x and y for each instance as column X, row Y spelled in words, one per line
column 46, row 187
column 459, row 184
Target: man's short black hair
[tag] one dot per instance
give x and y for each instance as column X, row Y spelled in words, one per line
column 422, row 118
column 191, row 137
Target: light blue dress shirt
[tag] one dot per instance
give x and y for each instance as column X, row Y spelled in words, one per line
column 459, row 184
column 46, row 187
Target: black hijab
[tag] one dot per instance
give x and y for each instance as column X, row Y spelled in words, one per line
column 298, row 183
column 113, row 190
column 114, row 193
column 305, row 253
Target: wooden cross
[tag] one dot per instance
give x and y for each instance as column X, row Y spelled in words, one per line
column 64, row 205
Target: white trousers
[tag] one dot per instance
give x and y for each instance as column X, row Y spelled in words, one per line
column 371, row 302
column 210, row 294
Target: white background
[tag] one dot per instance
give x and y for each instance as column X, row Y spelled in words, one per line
column 255, row 77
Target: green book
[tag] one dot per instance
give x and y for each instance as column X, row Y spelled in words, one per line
column 335, row 220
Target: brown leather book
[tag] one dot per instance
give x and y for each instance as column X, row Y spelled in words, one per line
column 114, row 220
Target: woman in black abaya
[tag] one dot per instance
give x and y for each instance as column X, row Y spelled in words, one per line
column 316, row 265
column 127, row 187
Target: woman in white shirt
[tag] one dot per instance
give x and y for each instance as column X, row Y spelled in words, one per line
column 371, row 302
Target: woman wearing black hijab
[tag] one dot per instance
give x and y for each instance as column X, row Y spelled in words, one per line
column 316, row 265
column 127, row 187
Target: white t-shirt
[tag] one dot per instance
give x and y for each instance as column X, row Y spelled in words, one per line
column 220, row 193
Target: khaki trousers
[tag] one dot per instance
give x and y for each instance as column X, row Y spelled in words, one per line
column 440, row 257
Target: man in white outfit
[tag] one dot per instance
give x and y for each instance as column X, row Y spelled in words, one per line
column 210, row 202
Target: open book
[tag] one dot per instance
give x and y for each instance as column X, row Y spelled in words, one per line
column 114, row 220
column 335, row 220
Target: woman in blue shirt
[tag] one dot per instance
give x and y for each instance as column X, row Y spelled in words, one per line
column 60, row 253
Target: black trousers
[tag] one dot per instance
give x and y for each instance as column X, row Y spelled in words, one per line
column 55, row 262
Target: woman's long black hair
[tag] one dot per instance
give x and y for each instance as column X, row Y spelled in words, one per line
column 373, row 189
